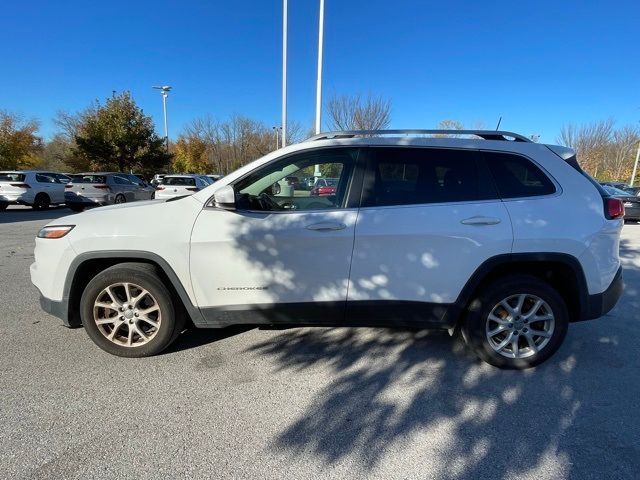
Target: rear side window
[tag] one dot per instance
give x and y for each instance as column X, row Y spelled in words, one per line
column 88, row 179
column 45, row 178
column 182, row 181
column 516, row 176
column 414, row 176
column 121, row 180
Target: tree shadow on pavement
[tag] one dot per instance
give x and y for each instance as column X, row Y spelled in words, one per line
column 572, row 417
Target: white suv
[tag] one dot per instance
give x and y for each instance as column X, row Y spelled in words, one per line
column 505, row 240
column 38, row 189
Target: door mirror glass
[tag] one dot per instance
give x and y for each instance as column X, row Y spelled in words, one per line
column 225, row 198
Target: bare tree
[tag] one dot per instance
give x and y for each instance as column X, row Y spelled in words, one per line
column 355, row 113
column 592, row 143
column 624, row 142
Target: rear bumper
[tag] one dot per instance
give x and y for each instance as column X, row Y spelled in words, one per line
column 602, row 303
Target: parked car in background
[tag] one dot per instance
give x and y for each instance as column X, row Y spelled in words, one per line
column 35, row 188
column 157, row 179
column 324, row 187
column 631, row 202
column 180, row 185
column 206, row 179
column 150, row 190
column 103, row 188
column 214, row 178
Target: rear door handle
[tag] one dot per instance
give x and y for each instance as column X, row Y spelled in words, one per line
column 479, row 220
column 326, row 226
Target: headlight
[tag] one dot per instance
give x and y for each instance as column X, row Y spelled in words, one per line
column 55, row 231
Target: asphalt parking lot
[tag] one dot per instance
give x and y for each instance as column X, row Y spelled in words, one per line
column 309, row 403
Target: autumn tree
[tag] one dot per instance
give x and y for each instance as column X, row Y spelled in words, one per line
column 603, row 151
column 118, row 136
column 19, row 144
column 357, row 113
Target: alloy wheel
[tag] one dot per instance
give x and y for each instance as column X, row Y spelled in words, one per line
column 520, row 326
column 127, row 314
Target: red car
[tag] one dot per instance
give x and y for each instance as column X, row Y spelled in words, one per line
column 325, row 187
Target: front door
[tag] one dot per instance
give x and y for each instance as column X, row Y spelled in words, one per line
column 284, row 255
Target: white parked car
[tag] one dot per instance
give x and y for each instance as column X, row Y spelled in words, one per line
column 35, row 188
column 503, row 239
column 180, row 185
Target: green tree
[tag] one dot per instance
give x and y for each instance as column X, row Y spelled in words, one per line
column 19, row 144
column 119, row 136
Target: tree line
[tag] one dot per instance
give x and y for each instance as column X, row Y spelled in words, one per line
column 116, row 135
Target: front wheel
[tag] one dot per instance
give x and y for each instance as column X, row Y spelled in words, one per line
column 127, row 311
column 517, row 322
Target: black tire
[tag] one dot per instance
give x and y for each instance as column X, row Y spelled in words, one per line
column 41, row 202
column 76, row 208
column 3, row 206
column 476, row 324
column 145, row 276
column 120, row 199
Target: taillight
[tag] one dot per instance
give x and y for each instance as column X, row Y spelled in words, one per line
column 193, row 189
column 614, row 207
column 21, row 185
column 68, row 186
column 159, row 187
column 101, row 187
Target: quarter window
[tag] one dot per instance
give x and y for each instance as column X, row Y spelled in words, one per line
column 516, row 176
column 414, row 176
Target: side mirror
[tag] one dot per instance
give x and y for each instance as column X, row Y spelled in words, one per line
column 276, row 189
column 225, row 198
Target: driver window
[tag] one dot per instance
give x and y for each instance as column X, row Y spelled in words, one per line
column 316, row 180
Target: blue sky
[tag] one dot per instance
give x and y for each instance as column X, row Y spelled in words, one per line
column 536, row 64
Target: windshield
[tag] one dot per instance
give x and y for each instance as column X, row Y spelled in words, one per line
column 11, row 177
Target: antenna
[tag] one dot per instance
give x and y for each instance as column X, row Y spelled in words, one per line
column 499, row 122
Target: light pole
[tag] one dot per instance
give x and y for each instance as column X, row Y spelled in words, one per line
column 284, row 73
column 164, row 90
column 319, row 80
column 276, row 130
column 635, row 166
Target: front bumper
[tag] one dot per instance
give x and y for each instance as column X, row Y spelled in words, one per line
column 602, row 303
column 57, row 309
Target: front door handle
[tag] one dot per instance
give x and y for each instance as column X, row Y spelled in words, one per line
column 326, row 226
column 479, row 220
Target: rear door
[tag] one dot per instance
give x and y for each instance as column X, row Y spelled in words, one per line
column 48, row 183
column 429, row 218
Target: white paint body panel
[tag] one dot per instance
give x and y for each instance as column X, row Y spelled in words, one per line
column 423, row 252
column 240, row 258
column 162, row 228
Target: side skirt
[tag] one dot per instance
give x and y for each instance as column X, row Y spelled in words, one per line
column 380, row 313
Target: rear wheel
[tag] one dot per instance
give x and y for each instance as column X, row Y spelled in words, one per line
column 120, row 198
column 517, row 322
column 41, row 202
column 127, row 311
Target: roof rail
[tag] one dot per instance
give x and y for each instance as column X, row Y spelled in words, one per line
column 484, row 134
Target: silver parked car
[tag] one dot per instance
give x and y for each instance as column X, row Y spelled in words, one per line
column 103, row 188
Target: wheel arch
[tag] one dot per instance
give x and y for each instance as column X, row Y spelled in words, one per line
column 562, row 271
column 86, row 265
